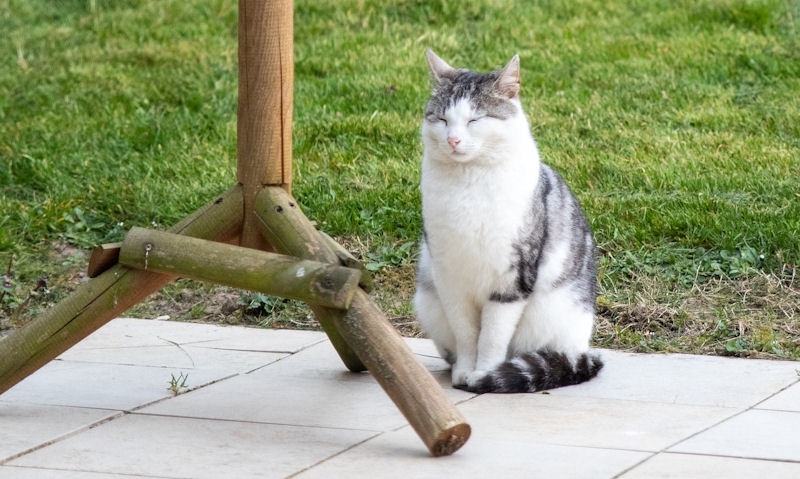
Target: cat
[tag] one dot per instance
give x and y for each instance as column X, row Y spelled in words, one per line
column 506, row 281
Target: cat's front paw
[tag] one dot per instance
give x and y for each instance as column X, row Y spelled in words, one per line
column 474, row 377
column 460, row 376
column 474, row 382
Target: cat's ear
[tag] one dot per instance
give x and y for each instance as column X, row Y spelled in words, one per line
column 439, row 67
column 507, row 83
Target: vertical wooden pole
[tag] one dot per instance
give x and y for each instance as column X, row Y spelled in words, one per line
column 264, row 128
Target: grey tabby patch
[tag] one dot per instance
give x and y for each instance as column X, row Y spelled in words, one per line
column 538, row 371
column 480, row 89
column 543, row 231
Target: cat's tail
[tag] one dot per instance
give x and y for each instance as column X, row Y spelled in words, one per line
column 538, row 371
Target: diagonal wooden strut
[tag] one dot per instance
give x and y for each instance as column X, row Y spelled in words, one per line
column 362, row 335
column 105, row 297
column 367, row 331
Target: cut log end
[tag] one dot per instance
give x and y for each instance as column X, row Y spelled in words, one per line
column 103, row 257
column 450, row 440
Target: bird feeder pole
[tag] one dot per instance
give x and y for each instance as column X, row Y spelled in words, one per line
column 258, row 213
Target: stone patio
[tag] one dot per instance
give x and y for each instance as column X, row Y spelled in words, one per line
column 278, row 403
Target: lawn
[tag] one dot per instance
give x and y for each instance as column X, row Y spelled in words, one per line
column 677, row 125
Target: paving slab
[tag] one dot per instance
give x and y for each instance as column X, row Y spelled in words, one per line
column 787, row 400
column 758, row 434
column 275, row 403
column 311, row 388
column 104, row 386
column 322, row 361
column 397, row 455
column 15, row 472
column 588, row 422
column 180, row 448
column 685, row 466
column 185, row 357
column 26, row 426
column 425, row 347
column 686, row 379
column 130, row 332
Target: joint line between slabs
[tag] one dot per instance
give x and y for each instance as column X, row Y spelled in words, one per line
column 64, row 436
column 289, row 354
column 796, row 381
column 730, row 456
column 332, row 456
column 665, row 450
column 242, row 421
column 45, row 468
column 134, row 410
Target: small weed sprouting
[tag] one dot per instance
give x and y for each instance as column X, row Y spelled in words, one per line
column 391, row 255
column 82, row 229
column 738, row 346
column 259, row 304
column 85, row 229
column 261, row 307
column 198, row 310
column 177, row 385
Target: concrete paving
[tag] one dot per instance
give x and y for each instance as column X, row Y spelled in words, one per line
column 278, row 404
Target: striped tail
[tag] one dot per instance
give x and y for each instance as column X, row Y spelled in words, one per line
column 536, row 372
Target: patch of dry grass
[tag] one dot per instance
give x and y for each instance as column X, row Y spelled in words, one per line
column 757, row 316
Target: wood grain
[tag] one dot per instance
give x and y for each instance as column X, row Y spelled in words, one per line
column 314, row 282
column 347, row 259
column 264, row 121
column 103, row 257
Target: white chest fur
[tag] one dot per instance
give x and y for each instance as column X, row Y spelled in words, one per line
column 472, row 216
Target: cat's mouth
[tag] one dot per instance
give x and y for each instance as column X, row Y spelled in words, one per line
column 456, row 151
column 459, row 156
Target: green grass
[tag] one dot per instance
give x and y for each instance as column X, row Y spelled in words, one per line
column 677, row 124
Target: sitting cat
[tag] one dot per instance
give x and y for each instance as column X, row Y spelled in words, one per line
column 506, row 284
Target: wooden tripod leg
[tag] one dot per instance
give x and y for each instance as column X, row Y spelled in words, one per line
column 105, row 297
column 311, row 281
column 367, row 331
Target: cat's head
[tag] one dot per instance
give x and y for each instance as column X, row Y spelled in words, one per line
column 471, row 115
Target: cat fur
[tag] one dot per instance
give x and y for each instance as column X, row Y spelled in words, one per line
column 506, row 282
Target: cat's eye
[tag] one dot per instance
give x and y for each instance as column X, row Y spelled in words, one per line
column 474, row 120
column 442, row 119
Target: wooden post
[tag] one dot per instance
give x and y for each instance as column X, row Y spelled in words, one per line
column 324, row 284
column 347, row 259
column 367, row 331
column 103, row 257
column 264, row 128
column 105, row 297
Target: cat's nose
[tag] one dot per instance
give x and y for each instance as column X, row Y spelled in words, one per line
column 453, row 141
